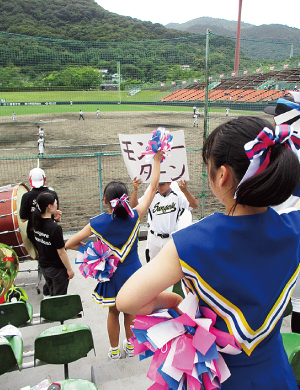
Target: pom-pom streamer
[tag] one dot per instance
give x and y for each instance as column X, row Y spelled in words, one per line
column 96, row 261
column 186, row 349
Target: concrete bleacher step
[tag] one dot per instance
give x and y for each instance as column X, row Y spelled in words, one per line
column 125, row 374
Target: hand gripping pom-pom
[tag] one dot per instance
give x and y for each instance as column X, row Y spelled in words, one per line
column 161, row 140
column 186, row 349
column 96, row 261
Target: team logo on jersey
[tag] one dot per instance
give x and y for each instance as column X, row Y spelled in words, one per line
column 170, row 208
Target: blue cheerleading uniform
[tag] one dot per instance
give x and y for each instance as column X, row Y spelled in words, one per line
column 121, row 236
column 245, row 269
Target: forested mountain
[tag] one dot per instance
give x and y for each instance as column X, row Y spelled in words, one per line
column 82, row 20
column 268, row 33
column 73, row 44
column 218, row 26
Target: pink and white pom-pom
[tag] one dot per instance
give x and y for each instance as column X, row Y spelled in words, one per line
column 96, row 261
column 187, row 349
column 161, row 140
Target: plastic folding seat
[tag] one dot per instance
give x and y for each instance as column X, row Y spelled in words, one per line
column 61, row 307
column 11, row 353
column 291, row 342
column 15, row 313
column 63, row 344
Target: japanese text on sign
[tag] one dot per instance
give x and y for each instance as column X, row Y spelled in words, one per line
column 173, row 168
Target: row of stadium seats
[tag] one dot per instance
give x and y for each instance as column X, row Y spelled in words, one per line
column 236, row 95
column 60, row 344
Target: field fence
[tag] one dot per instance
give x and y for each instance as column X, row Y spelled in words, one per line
column 80, row 180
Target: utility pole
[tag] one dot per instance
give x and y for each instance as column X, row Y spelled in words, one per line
column 292, row 51
column 238, row 36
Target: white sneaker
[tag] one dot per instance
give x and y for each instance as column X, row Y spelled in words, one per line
column 114, row 353
column 128, row 348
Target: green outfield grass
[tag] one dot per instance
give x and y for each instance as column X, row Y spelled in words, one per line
column 91, row 96
column 58, row 109
column 81, row 96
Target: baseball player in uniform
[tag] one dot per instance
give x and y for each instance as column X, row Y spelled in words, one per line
column 41, row 131
column 81, row 115
column 163, row 213
column 195, row 120
column 41, row 145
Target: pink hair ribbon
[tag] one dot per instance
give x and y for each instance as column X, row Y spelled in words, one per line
column 124, row 200
column 258, row 151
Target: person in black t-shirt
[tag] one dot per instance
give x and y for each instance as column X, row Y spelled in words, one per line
column 37, row 180
column 53, row 258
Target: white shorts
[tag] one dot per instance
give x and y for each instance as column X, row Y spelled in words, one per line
column 155, row 243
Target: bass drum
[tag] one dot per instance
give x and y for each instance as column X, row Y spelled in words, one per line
column 13, row 232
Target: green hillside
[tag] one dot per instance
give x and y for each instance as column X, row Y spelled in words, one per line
column 82, row 20
column 71, row 45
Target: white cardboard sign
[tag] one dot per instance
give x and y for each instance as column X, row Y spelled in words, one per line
column 173, row 168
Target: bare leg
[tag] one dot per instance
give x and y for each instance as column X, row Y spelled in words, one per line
column 128, row 320
column 113, row 326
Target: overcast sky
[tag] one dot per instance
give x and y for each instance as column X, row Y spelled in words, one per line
column 256, row 12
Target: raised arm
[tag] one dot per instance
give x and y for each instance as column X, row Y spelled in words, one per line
column 134, row 196
column 191, row 199
column 144, row 204
column 75, row 241
column 143, row 293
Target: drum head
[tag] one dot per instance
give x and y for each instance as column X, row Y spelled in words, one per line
column 9, row 266
column 21, row 189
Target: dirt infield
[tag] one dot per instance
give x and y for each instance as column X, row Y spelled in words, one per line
column 67, row 130
column 78, row 179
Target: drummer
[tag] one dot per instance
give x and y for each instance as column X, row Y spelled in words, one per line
column 37, row 180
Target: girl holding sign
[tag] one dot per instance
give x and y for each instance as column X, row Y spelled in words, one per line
column 118, row 229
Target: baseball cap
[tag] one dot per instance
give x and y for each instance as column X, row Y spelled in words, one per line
column 280, row 108
column 37, row 177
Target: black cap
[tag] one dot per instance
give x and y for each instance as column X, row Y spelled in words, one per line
column 279, row 108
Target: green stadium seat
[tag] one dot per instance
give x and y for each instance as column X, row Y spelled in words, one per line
column 291, row 342
column 61, row 307
column 15, row 313
column 63, row 344
column 11, row 353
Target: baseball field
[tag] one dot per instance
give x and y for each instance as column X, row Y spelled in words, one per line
column 72, row 146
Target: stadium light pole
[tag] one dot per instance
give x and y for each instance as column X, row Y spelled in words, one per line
column 238, row 36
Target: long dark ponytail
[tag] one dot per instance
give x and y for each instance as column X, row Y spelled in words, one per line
column 272, row 186
column 42, row 201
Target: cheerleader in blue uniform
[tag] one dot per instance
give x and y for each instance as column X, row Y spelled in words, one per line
column 119, row 231
column 243, row 264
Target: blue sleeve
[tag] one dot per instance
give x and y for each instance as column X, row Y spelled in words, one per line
column 297, row 191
